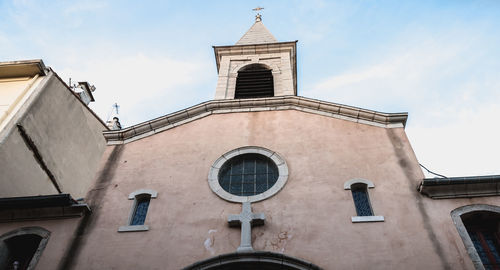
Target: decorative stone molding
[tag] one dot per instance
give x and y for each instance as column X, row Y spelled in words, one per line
column 213, row 175
column 133, row 228
column 461, row 187
column 43, row 233
column 151, row 192
column 456, row 216
column 328, row 109
column 348, row 184
column 361, row 219
column 253, row 260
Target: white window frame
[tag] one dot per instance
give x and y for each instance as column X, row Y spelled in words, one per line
column 213, row 175
column 369, row 184
column 135, row 196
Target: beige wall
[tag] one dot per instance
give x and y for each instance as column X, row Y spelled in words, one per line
column 67, row 135
column 13, row 93
column 310, row 218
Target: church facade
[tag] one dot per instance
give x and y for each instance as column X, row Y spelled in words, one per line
column 260, row 178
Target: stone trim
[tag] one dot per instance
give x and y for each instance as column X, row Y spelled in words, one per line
column 461, row 187
column 362, row 219
column 348, row 184
column 133, row 228
column 151, row 192
column 134, row 196
column 369, row 184
column 257, row 258
column 31, row 230
column 456, row 216
column 334, row 110
column 213, row 175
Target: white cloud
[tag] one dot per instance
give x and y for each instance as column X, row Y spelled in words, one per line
column 468, row 145
column 134, row 81
column 453, row 123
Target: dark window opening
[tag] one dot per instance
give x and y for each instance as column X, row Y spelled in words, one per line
column 483, row 229
column 19, row 250
column 248, row 175
column 254, row 81
column 361, row 199
column 141, row 209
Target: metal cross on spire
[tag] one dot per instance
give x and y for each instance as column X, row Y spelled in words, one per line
column 246, row 219
column 258, row 17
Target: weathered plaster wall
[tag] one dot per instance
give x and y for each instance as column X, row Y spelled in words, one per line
column 21, row 175
column 67, row 136
column 310, row 218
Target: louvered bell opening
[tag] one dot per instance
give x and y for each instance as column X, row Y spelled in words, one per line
column 254, row 82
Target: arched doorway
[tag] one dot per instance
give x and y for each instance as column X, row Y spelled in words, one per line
column 255, row 260
column 21, row 248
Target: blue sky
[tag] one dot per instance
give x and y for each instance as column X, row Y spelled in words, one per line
column 437, row 60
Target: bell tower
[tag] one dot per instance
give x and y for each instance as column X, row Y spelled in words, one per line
column 257, row 66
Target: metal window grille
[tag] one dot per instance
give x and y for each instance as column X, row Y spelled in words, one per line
column 248, row 175
column 141, row 209
column 361, row 200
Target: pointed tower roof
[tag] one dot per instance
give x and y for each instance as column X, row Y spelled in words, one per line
column 257, row 34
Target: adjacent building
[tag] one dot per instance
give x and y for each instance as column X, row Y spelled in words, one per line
column 50, row 147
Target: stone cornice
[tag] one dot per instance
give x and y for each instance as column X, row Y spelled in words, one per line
column 289, row 46
column 461, row 187
column 349, row 113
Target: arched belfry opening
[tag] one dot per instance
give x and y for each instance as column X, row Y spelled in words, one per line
column 254, row 81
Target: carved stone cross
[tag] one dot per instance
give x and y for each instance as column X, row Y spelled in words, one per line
column 246, row 219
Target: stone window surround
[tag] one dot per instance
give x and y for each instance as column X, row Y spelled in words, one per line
column 233, row 75
column 456, row 216
column 134, row 196
column 43, row 233
column 369, row 184
column 213, row 175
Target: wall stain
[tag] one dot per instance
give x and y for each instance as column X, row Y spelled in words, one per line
column 210, row 242
column 403, row 160
column 94, row 199
column 30, row 144
column 279, row 242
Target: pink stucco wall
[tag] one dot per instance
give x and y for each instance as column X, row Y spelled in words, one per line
column 310, row 218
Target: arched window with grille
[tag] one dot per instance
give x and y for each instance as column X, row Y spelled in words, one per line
column 478, row 225
column 254, row 81
column 139, row 210
column 359, row 189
